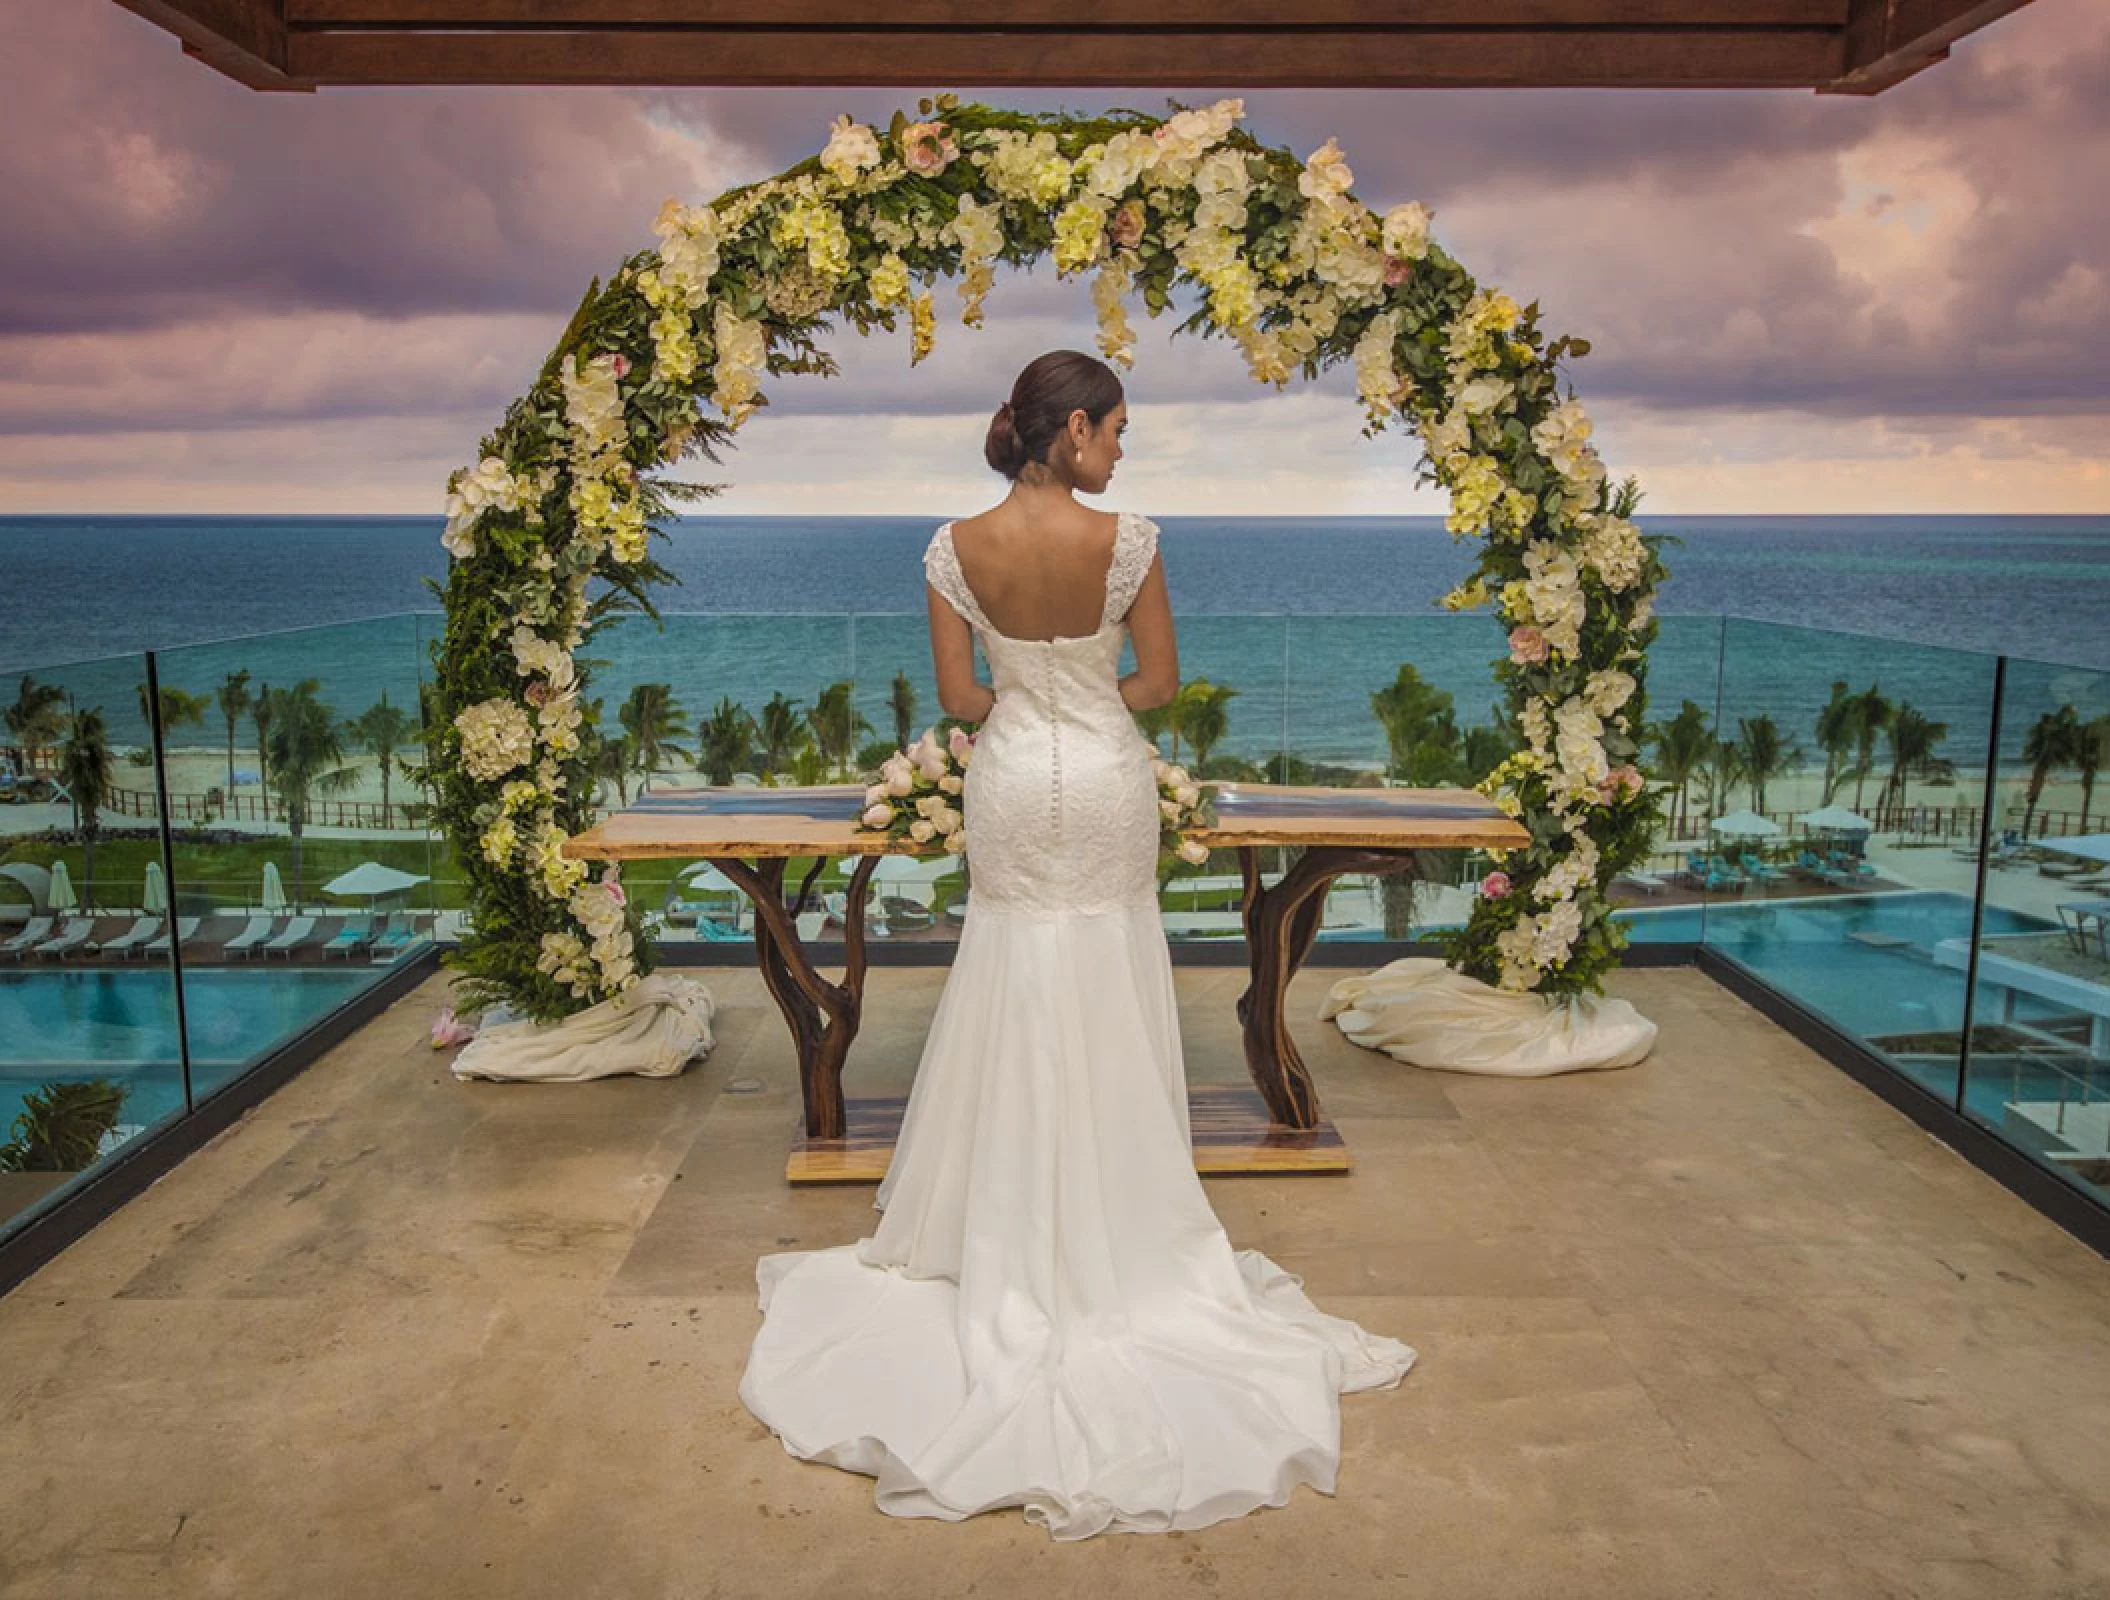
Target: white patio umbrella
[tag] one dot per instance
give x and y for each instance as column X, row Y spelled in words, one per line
column 372, row 880
column 707, row 878
column 154, row 897
column 1835, row 819
column 1744, row 825
column 273, row 896
column 63, row 897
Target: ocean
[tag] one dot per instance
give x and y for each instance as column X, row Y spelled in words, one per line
column 1305, row 617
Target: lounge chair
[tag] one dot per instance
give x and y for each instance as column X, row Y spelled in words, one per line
column 356, row 934
column 1851, row 866
column 1721, row 875
column 75, row 934
column 251, row 939
column 395, row 936
column 34, row 932
column 1758, row 870
column 133, row 938
column 1814, row 867
column 186, row 930
column 291, row 938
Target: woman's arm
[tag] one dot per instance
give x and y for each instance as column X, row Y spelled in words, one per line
column 960, row 693
column 1157, row 676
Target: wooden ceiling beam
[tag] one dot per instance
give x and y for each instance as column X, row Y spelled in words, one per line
column 1887, row 41
column 1256, row 15
column 246, row 39
column 753, row 57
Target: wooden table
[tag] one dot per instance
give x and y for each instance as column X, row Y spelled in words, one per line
column 751, row 834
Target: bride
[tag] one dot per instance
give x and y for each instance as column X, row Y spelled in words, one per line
column 1049, row 1314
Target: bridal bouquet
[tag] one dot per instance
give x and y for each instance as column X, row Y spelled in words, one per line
column 920, row 794
column 917, row 793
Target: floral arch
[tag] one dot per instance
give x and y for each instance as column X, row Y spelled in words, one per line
column 667, row 360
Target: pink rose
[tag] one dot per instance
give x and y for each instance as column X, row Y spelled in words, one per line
column 1126, row 228
column 619, row 363
column 961, row 743
column 614, row 886
column 539, row 693
column 1528, row 647
column 1620, row 780
column 1397, row 270
column 1495, row 885
column 927, row 149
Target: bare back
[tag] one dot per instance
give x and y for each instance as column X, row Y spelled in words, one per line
column 1040, row 580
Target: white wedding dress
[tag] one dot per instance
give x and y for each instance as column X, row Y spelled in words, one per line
column 1049, row 1314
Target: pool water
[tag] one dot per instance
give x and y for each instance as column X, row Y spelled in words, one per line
column 71, row 1026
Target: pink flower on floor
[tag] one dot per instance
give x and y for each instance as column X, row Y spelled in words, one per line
column 448, row 1029
column 1528, row 647
column 1495, row 885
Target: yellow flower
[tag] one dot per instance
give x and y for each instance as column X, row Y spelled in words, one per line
column 890, row 281
column 1080, row 231
column 923, row 321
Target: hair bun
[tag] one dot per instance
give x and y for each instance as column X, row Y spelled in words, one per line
column 1004, row 449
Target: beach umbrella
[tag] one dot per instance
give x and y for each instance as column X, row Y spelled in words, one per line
column 372, row 880
column 273, row 897
column 63, row 897
column 1745, row 825
column 35, row 881
column 702, row 875
column 2088, row 846
column 1835, row 819
column 154, row 898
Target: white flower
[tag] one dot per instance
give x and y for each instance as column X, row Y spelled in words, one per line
column 1187, row 794
column 491, row 484
column 875, row 794
column 1111, row 169
column 1406, row 231
column 922, row 830
column 1608, row 690
column 1326, row 176
column 496, row 738
column 951, row 783
column 1193, row 851
column 945, row 819
column 852, row 148
column 1482, row 396
column 956, row 842
column 878, row 816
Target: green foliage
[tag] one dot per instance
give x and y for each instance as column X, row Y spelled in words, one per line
column 62, row 1125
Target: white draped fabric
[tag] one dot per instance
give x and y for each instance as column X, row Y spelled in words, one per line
column 653, row 1030
column 1420, row 1011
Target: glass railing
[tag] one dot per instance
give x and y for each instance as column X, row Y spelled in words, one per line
column 1823, row 797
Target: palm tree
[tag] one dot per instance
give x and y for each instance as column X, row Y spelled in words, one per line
column 1724, row 771
column 178, row 707
column 233, row 696
column 902, row 702
column 1421, row 730
column 307, row 758
column 613, row 761
column 1913, row 740
column 384, row 729
column 1762, row 755
column 2091, row 754
column 1684, row 745
column 84, row 768
column 653, row 720
column 723, row 742
column 778, row 733
column 2053, row 741
column 1872, row 714
column 260, row 713
column 836, row 724
column 1202, row 711
column 34, row 721
column 1835, row 736
column 1158, row 721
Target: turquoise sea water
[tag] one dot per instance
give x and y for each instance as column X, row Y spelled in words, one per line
column 1305, row 617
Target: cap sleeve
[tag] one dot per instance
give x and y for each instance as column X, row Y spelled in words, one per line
column 941, row 568
column 1135, row 547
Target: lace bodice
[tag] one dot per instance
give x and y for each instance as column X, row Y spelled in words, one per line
column 1060, row 798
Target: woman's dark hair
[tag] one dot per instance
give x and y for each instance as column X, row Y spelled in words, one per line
column 1047, row 391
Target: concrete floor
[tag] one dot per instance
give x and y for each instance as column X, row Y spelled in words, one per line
column 1720, row 1324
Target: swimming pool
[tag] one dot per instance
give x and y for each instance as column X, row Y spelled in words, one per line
column 69, row 1026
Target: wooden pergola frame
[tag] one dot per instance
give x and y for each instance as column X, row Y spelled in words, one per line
column 1831, row 46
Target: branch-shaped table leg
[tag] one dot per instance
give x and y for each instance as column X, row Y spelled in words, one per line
column 823, row 1016
column 1280, row 924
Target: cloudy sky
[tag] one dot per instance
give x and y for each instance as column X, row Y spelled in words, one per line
column 218, row 300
